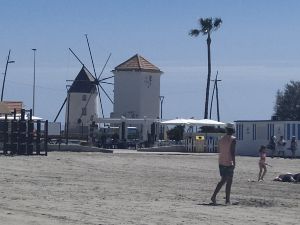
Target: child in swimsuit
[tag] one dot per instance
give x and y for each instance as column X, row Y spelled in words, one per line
column 262, row 163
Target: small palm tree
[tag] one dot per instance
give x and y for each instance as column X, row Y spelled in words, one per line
column 207, row 25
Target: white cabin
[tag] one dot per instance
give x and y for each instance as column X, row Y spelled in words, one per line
column 251, row 134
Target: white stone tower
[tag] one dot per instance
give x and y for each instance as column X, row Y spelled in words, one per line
column 136, row 89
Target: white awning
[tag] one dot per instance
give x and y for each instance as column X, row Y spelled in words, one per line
column 178, row 121
column 203, row 122
column 208, row 122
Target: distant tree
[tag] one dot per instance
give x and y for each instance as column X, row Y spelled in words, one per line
column 287, row 106
column 207, row 25
column 176, row 133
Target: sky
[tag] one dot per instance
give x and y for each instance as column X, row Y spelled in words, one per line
column 256, row 50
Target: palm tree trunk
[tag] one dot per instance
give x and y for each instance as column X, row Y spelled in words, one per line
column 208, row 76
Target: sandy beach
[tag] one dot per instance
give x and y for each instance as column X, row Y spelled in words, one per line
column 128, row 187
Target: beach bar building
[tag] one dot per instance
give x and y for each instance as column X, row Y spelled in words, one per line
column 251, row 134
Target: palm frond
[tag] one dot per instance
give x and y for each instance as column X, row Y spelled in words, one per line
column 206, row 25
column 194, row 32
column 217, row 23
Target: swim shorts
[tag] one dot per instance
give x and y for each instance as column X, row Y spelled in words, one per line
column 226, row 171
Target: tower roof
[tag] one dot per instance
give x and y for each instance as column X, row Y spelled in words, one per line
column 84, row 82
column 137, row 63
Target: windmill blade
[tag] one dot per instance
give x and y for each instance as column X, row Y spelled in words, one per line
column 106, row 94
column 60, row 110
column 80, row 62
column 107, row 83
column 77, row 57
column 88, row 43
column 101, row 106
column 106, row 78
column 104, row 65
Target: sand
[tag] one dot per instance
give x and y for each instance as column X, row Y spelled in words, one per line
column 141, row 188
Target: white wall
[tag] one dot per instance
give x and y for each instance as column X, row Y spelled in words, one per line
column 136, row 94
column 76, row 103
column 252, row 134
column 150, row 92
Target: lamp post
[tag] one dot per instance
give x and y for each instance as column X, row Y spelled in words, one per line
column 33, row 89
column 68, row 115
column 3, row 84
column 161, row 99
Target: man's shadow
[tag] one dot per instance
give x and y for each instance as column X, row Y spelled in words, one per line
column 211, row 204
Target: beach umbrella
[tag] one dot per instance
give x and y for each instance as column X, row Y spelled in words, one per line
column 179, row 121
column 207, row 122
column 203, row 122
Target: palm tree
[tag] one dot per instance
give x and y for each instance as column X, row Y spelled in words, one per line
column 207, row 25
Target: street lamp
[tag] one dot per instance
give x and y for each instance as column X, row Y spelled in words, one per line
column 68, row 115
column 33, row 91
column 7, row 62
column 161, row 99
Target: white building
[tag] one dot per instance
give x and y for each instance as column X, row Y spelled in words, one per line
column 136, row 89
column 82, row 103
column 251, row 134
column 136, row 99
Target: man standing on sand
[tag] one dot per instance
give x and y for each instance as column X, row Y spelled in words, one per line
column 226, row 162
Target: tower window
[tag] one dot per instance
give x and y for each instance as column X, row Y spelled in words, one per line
column 83, row 111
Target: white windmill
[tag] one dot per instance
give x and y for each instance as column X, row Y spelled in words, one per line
column 84, row 99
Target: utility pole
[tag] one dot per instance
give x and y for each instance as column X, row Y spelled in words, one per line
column 217, row 97
column 3, row 84
column 33, row 91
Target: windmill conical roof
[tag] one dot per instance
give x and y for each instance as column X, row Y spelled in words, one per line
column 137, row 63
column 84, row 82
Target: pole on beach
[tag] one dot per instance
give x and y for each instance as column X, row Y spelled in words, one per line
column 161, row 99
column 68, row 116
column 7, row 62
column 217, row 97
column 33, row 88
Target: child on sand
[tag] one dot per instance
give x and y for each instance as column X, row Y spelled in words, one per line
column 262, row 163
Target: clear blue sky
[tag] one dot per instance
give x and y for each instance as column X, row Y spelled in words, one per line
column 256, row 50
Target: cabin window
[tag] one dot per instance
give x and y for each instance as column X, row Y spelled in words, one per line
column 254, row 131
column 83, row 97
column 288, row 131
column 294, row 130
column 270, row 131
column 240, row 131
column 83, row 113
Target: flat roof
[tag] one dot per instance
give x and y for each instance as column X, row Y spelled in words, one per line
column 240, row 121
